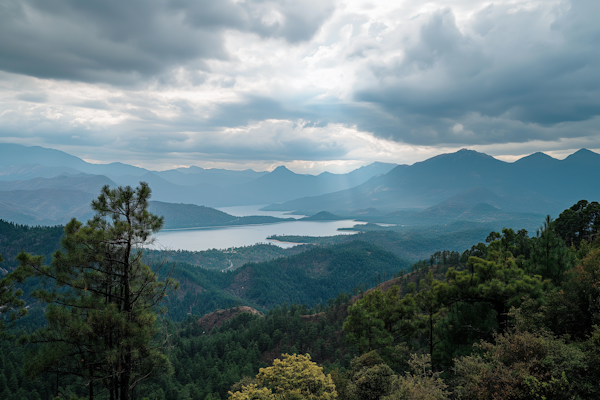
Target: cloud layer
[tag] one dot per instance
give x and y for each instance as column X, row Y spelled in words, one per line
column 258, row 82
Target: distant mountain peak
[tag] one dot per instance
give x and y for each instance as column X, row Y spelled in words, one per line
column 539, row 154
column 536, row 158
column 460, row 157
column 583, row 151
column 282, row 170
column 584, row 156
column 469, row 152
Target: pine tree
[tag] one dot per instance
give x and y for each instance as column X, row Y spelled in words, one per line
column 13, row 383
column 102, row 298
column 3, row 382
column 10, row 303
column 550, row 257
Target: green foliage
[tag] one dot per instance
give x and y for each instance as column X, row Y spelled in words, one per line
column 229, row 259
column 381, row 321
column 409, row 244
column 39, row 240
column 297, row 377
column 102, row 299
column 578, row 223
column 523, row 365
column 503, row 319
column 550, row 257
column 311, row 277
column 497, row 281
column 419, row 384
column 370, row 377
column 12, row 307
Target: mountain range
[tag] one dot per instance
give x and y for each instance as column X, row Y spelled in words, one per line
column 193, row 185
column 40, row 186
column 50, row 187
column 536, row 183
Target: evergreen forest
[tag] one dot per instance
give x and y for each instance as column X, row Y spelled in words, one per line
column 88, row 314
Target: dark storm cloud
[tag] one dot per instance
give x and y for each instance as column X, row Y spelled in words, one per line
column 505, row 68
column 291, row 19
column 121, row 42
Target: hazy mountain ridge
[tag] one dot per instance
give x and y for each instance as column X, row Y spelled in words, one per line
column 536, row 183
column 194, row 185
column 444, row 188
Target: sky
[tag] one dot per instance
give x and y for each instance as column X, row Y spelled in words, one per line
column 314, row 84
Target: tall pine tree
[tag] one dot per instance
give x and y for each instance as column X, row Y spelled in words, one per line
column 102, row 298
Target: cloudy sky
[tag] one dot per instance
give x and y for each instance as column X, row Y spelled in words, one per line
column 313, row 84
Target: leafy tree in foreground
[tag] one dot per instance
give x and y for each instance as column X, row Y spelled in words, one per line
column 370, row 377
column 293, row 377
column 421, row 383
column 102, row 299
column 580, row 222
column 524, row 365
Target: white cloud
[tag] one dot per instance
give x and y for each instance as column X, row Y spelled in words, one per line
column 312, row 85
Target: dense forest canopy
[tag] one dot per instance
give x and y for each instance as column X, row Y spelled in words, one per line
column 513, row 317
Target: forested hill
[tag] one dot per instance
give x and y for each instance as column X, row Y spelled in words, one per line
column 15, row 238
column 310, row 278
column 515, row 317
column 193, row 216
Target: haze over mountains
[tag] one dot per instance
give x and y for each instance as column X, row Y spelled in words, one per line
column 536, row 183
column 48, row 187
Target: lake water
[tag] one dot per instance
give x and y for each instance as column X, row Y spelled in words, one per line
column 247, row 235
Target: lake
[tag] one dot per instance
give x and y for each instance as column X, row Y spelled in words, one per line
column 246, row 235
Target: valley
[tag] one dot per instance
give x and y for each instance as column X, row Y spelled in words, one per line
column 305, row 277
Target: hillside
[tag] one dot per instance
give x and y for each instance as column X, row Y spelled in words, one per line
column 85, row 183
column 311, row 278
column 45, row 206
column 416, row 243
column 37, row 240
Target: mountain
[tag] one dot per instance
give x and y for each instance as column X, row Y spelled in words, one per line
column 192, row 216
column 47, row 206
column 16, row 154
column 29, row 171
column 194, row 185
column 366, row 172
column 537, row 183
column 283, row 185
column 86, row 183
column 216, row 177
column 54, row 201
column 201, row 194
column 50, row 201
